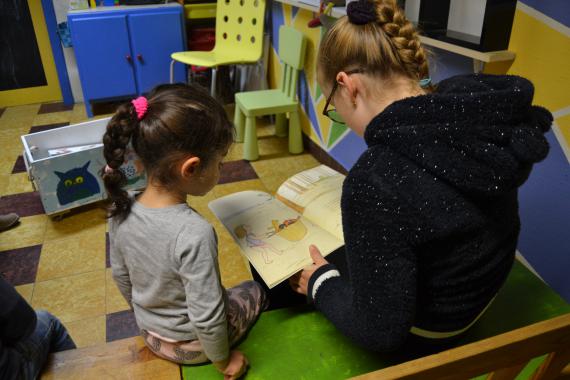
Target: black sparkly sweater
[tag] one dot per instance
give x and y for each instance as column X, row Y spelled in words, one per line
column 430, row 210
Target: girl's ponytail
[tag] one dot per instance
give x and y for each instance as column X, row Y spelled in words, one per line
column 119, row 132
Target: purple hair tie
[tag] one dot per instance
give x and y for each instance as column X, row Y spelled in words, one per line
column 361, row 12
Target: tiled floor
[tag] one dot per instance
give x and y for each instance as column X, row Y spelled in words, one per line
column 63, row 266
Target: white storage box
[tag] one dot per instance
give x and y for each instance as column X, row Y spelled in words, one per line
column 64, row 165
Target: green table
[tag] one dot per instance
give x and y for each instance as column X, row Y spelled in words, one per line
column 299, row 343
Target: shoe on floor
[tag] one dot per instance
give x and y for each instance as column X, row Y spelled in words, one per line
column 8, row 221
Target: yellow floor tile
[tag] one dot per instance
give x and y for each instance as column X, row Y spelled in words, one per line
column 17, row 183
column 18, row 117
column 271, row 147
column 114, row 300
column 88, row 332
column 264, row 128
column 52, row 118
column 228, row 188
column 8, row 159
column 26, row 291
column 10, row 135
column 72, row 298
column 31, row 231
column 273, row 182
column 233, row 267
column 91, row 218
column 78, row 115
column 102, row 116
column 234, row 153
column 80, row 253
column 289, row 165
column 4, row 180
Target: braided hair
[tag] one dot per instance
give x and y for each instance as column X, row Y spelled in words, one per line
column 377, row 37
column 181, row 120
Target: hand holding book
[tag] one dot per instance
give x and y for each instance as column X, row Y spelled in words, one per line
column 300, row 280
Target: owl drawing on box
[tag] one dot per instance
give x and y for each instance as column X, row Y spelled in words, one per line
column 76, row 184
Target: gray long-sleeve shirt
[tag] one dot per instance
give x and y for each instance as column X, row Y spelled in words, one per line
column 165, row 264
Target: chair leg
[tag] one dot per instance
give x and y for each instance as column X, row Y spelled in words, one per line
column 172, row 71
column 281, row 125
column 213, row 84
column 250, row 149
column 295, row 137
column 239, row 121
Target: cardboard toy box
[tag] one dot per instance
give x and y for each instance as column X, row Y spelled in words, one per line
column 64, row 165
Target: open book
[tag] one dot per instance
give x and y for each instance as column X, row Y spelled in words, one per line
column 275, row 233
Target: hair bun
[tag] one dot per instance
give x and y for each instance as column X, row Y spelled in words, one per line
column 361, row 12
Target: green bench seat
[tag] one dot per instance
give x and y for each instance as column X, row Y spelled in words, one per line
column 299, row 343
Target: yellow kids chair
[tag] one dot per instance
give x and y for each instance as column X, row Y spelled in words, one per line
column 239, row 38
column 251, row 104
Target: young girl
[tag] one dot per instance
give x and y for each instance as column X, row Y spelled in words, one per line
column 430, row 209
column 163, row 253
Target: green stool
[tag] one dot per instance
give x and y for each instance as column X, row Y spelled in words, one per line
column 277, row 102
column 301, row 344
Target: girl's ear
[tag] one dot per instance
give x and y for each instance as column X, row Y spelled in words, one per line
column 189, row 167
column 346, row 81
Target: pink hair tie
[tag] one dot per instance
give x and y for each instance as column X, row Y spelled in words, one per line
column 108, row 169
column 141, row 106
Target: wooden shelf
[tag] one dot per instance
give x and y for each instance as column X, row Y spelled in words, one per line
column 490, row 56
column 479, row 57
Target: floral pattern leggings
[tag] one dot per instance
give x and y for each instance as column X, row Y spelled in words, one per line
column 245, row 302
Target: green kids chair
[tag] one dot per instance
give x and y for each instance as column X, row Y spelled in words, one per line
column 239, row 38
column 277, row 102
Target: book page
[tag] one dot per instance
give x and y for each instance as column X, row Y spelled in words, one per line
column 325, row 211
column 304, row 187
column 316, row 194
column 274, row 237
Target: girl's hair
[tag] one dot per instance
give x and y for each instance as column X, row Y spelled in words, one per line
column 385, row 46
column 180, row 120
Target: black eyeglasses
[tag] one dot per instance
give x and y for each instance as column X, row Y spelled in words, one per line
column 332, row 114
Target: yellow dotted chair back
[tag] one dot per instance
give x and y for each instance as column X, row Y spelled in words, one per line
column 239, row 28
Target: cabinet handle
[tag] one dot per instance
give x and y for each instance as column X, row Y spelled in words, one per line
column 129, row 58
column 140, row 57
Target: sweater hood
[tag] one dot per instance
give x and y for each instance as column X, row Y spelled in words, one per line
column 480, row 133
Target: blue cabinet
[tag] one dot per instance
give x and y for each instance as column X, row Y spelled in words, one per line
column 125, row 51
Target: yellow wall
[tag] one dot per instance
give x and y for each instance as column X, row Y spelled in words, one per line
column 40, row 94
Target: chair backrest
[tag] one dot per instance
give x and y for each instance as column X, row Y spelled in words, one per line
column 502, row 356
column 292, row 45
column 239, row 28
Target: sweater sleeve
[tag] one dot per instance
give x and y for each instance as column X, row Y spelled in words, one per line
column 119, row 268
column 374, row 305
column 197, row 251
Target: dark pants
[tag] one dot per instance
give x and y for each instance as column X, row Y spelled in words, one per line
column 50, row 336
column 283, row 296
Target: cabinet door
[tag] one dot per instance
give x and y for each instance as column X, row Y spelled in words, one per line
column 103, row 54
column 154, row 36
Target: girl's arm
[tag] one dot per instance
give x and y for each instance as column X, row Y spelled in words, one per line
column 121, row 273
column 196, row 250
